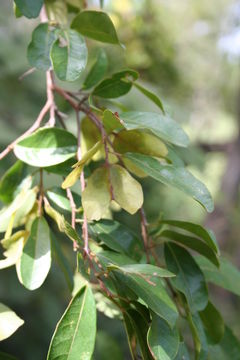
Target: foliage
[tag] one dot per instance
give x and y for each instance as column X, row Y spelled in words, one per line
column 155, row 285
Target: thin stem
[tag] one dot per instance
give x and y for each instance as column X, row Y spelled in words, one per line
column 50, row 97
column 41, row 193
column 144, row 232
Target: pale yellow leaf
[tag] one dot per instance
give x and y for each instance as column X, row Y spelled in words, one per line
column 72, row 177
column 9, row 322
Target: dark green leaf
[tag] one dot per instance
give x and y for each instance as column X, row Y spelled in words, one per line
column 193, row 243
column 29, row 8
column 199, row 336
column 62, row 169
column 107, row 347
column 150, row 95
column 4, row 356
column 228, row 349
column 97, row 71
column 46, row 147
column 35, row 261
column 160, row 125
column 69, row 55
column 75, row 333
column 117, row 237
column 38, row 52
column 10, row 183
column 179, row 178
column 97, row 25
column 59, row 197
column 227, row 276
column 143, row 270
column 182, row 352
column 213, row 323
column 206, row 235
column 163, row 341
column 189, row 278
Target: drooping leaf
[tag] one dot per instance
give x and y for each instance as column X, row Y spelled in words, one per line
column 96, row 197
column 150, row 95
column 57, row 12
column 97, row 71
column 46, row 147
column 160, row 125
column 142, row 270
column 117, row 237
column 14, row 248
column 111, row 121
column 75, row 333
column 163, row 341
column 73, row 177
column 18, row 209
column 12, row 181
column 179, row 178
column 127, row 191
column 193, row 243
column 189, row 278
column 118, row 85
column 69, row 55
column 226, row 276
column 35, row 261
column 29, row 8
column 152, row 292
column 139, row 142
column 228, row 349
column 206, row 235
column 89, row 154
column 59, row 197
column 62, row 261
column 90, row 135
column 213, row 323
column 96, row 25
column 9, row 322
column 199, row 337
column 38, row 52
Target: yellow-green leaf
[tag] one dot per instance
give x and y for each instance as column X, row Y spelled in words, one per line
column 127, row 191
column 72, row 177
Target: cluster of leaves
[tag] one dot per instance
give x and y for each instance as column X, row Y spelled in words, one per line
column 154, row 292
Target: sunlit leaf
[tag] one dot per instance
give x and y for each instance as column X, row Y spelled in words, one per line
column 9, row 322
column 75, row 333
column 111, row 121
column 14, row 248
column 59, row 197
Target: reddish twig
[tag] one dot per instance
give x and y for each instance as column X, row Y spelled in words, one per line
column 50, row 97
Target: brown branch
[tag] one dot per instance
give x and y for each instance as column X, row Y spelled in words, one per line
column 144, row 232
column 50, row 97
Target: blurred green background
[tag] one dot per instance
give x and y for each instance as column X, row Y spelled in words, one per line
column 186, row 51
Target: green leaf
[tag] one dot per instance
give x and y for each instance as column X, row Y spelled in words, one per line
column 152, row 292
column 192, row 243
column 29, row 8
column 108, row 258
column 14, row 248
column 107, row 347
column 150, row 95
column 179, row 178
column 206, row 235
column 18, row 209
column 5, row 356
column 143, row 269
column 35, row 261
column 127, row 192
column 62, row 169
column 46, row 147
column 117, row 237
column 118, row 85
column 189, row 278
column 97, row 71
column 62, row 261
column 228, row 349
column 137, row 141
column 227, row 276
column 182, row 352
column 96, row 25
column 213, row 323
column 163, row 341
column 69, row 55
column 59, row 197
column 96, row 197
column 10, row 183
column 75, row 333
column 200, row 339
column 160, row 125
column 38, row 52
column 9, row 322
column 111, row 121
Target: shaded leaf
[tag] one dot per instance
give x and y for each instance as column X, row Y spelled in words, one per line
column 96, row 197
column 228, row 349
column 179, row 178
column 62, row 169
column 14, row 248
column 29, row 8
column 9, row 322
column 35, row 261
column 163, row 341
column 127, row 191
column 97, row 71
column 75, row 333
column 160, row 125
column 46, row 147
column 69, row 56
column 107, row 347
column 5, row 356
column 143, row 269
column 38, row 52
column 111, row 121
column 97, row 25
column 189, row 278
column 182, row 352
column 213, row 323
column 150, row 95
